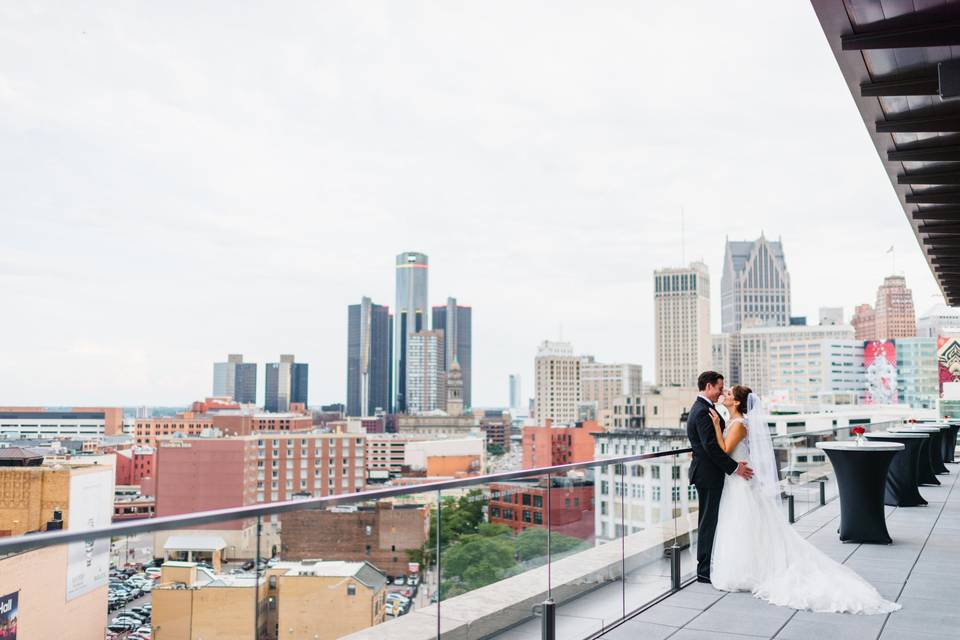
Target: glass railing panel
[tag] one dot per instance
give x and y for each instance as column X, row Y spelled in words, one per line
column 586, row 552
column 648, row 514
column 130, row 581
column 493, row 569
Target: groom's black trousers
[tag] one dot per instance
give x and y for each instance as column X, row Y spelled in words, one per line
column 707, row 526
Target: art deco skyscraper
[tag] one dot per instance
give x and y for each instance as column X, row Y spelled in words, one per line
column 454, row 320
column 755, row 285
column 681, row 301
column 896, row 317
column 410, row 317
column 369, row 335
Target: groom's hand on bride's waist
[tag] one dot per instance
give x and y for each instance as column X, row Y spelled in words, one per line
column 744, row 471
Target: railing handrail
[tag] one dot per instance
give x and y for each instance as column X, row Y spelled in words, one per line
column 32, row 541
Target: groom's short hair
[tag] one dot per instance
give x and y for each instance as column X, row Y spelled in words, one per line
column 708, row 377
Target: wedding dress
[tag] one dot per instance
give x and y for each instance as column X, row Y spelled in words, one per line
column 755, row 549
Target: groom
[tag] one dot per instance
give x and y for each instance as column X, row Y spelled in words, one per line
column 709, row 465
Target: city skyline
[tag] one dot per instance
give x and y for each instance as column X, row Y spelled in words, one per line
column 152, row 216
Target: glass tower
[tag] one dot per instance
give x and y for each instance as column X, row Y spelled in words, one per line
column 411, row 317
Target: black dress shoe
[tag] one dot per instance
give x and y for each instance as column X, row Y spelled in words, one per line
column 703, row 580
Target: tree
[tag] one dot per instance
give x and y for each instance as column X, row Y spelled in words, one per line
column 458, row 517
column 495, row 450
column 532, row 544
column 476, row 561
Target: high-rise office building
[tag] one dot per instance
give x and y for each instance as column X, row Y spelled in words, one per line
column 602, row 383
column 557, row 383
column 410, row 317
column 918, row 382
column 755, row 285
column 892, row 317
column 454, row 320
column 516, row 392
column 798, row 364
column 895, row 314
column 235, row 379
column 721, row 360
column 286, row 383
column 681, row 299
column 369, row 334
column 939, row 320
column 864, row 322
column 426, row 377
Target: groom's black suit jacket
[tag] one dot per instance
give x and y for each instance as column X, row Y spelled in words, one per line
column 710, row 463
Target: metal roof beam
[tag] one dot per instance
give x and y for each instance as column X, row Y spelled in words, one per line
column 940, row 227
column 930, row 153
column 939, row 33
column 934, row 197
column 938, row 176
column 924, row 82
column 921, row 124
column 937, row 213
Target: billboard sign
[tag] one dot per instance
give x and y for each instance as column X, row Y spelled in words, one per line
column 948, row 367
column 880, row 368
column 91, row 507
column 9, row 606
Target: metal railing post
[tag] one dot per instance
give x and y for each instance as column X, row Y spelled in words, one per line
column 548, row 622
column 823, row 492
column 790, row 516
column 675, row 566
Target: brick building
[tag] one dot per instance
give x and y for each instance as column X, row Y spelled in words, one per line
column 523, row 504
column 149, row 431
column 496, row 425
column 549, row 445
column 380, row 534
column 134, row 464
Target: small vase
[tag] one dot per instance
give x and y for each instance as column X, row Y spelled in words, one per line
column 859, row 440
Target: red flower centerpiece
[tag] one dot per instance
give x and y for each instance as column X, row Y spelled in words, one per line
column 859, row 431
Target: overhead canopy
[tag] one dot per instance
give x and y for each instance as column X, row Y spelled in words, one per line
column 194, row 543
column 902, row 66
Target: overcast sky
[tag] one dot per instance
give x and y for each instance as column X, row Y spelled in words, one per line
column 183, row 180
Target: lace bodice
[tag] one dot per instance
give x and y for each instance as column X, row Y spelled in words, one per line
column 741, row 452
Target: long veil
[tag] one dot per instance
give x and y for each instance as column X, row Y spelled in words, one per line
column 761, row 458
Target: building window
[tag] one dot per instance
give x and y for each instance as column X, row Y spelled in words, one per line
column 526, row 516
column 538, row 501
column 351, row 590
column 537, row 517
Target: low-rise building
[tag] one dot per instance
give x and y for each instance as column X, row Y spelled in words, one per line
column 549, row 445
column 566, row 506
column 384, row 534
column 667, row 407
column 77, row 422
column 323, row 600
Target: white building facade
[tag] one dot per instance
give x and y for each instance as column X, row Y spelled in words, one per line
column 557, row 383
column 681, row 300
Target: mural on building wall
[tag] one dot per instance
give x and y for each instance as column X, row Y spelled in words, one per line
column 948, row 365
column 880, row 366
column 9, row 604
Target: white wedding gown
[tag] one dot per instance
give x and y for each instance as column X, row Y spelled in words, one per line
column 755, row 549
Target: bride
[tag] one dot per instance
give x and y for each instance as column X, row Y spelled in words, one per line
column 755, row 549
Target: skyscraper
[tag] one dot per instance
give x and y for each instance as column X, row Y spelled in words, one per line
column 755, row 285
column 368, row 358
column 601, row 382
column 892, row 317
column 681, row 299
column 426, row 377
column 286, row 383
column 557, row 384
column 455, row 321
column 235, row 379
column 516, row 392
column 895, row 314
column 411, row 317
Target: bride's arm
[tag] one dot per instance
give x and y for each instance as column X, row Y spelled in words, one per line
column 734, row 434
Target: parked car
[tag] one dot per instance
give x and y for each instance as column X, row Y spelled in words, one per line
column 414, row 579
column 248, row 565
column 399, row 580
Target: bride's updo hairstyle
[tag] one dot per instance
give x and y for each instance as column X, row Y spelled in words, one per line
column 740, row 394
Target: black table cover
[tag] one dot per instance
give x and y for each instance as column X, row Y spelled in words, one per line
column 950, row 442
column 903, row 475
column 935, row 448
column 861, row 480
